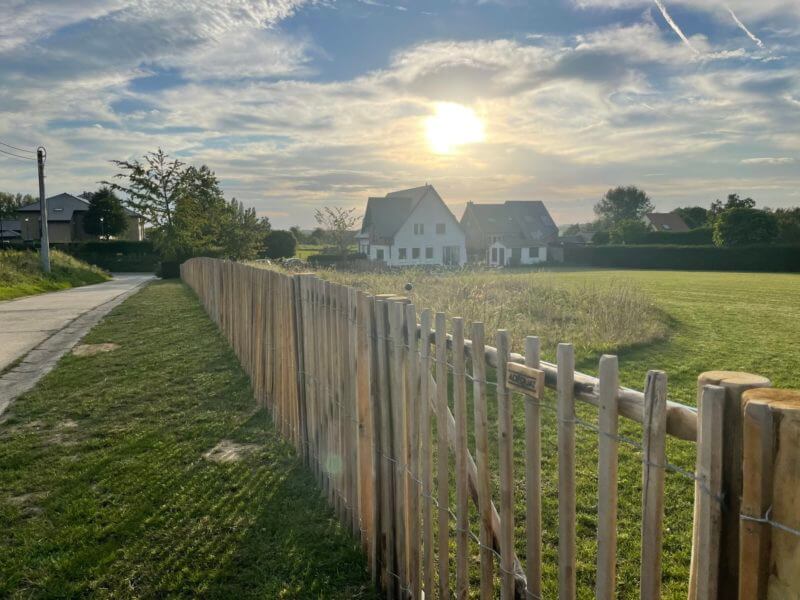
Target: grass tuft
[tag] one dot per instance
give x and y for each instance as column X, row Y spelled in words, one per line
column 21, row 273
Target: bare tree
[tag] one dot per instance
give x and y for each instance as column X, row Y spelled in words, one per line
column 339, row 223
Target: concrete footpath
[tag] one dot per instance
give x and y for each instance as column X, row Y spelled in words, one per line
column 41, row 329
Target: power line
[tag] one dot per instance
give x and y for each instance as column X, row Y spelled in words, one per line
column 17, row 155
column 2, row 143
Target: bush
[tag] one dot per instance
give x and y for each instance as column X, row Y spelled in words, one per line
column 280, row 244
column 332, row 260
column 692, row 258
column 744, row 226
column 169, row 269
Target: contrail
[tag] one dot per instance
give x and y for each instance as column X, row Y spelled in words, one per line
column 674, row 25
column 742, row 26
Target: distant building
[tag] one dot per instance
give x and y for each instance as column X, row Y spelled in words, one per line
column 65, row 214
column 512, row 233
column 666, row 222
column 412, row 227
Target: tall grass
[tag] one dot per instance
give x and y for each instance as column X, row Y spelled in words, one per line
column 21, row 273
column 597, row 316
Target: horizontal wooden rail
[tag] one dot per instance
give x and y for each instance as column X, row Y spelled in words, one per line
column 681, row 419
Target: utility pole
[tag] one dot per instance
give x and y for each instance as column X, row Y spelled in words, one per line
column 41, row 154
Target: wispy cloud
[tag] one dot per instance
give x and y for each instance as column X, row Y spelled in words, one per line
column 744, row 28
column 769, row 160
column 671, row 22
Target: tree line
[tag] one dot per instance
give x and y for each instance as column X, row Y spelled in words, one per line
column 733, row 222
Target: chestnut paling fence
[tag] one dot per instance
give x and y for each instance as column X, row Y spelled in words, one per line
column 363, row 387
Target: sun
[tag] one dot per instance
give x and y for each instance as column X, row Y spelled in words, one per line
column 453, row 125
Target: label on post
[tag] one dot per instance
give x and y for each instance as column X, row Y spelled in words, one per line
column 525, row 380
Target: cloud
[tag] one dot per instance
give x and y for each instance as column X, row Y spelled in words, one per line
column 565, row 115
column 769, row 160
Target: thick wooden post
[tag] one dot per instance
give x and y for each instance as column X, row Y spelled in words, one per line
column 770, row 533
column 735, row 384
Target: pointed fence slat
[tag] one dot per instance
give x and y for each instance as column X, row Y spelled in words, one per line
column 506, row 458
column 533, row 476
column 442, row 456
column 608, row 424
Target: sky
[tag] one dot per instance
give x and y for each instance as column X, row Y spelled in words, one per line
column 299, row 104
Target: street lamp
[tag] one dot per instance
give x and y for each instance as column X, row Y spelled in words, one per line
column 102, row 227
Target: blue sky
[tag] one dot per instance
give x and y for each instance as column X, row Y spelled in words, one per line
column 298, row 104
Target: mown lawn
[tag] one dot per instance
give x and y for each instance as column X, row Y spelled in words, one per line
column 726, row 321
column 105, row 492
column 21, row 273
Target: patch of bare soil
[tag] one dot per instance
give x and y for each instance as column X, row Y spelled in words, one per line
column 92, row 349
column 227, row 451
column 27, row 503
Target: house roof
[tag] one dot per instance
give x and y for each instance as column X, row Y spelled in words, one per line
column 667, row 222
column 62, row 207
column 521, row 222
column 10, row 228
column 385, row 216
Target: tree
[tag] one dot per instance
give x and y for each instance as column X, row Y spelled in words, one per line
column 153, row 187
column 694, row 216
column 279, row 243
column 788, row 220
column 629, row 231
column 744, row 225
column 601, row 238
column 623, row 204
column 317, row 236
column 734, row 201
column 338, row 222
column 297, row 233
column 106, row 217
column 243, row 232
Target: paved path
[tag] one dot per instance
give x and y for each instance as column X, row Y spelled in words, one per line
column 42, row 328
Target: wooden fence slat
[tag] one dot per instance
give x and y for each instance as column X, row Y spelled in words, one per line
column 484, row 483
column 506, row 458
column 653, row 470
column 426, row 457
column 387, row 467
column 533, row 476
column 608, row 422
column 566, row 473
column 442, row 456
column 397, row 379
column 462, row 497
column 413, row 406
column 366, row 467
column 708, row 493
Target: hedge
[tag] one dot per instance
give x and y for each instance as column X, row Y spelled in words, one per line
column 122, row 256
column 691, row 258
column 330, row 260
column 109, row 247
column 702, row 236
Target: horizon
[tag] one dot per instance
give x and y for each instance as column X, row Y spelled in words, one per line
column 298, row 104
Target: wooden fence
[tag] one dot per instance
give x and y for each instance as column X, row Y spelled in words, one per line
column 363, row 386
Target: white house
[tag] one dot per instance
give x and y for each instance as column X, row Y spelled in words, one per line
column 410, row 228
column 509, row 234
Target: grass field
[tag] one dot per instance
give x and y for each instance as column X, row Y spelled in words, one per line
column 22, row 275
column 681, row 322
column 105, row 490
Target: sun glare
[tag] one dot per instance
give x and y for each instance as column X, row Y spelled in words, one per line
column 453, row 125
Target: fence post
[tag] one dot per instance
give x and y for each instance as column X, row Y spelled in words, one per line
column 770, row 540
column 735, row 384
column 566, row 473
column 708, row 492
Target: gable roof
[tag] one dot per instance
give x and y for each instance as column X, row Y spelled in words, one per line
column 519, row 221
column 667, row 222
column 385, row 216
column 63, row 206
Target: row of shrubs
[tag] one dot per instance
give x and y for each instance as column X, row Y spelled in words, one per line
column 784, row 259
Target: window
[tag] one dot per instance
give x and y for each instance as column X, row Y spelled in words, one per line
column 440, row 229
column 494, row 255
column 533, row 252
column 379, row 254
column 401, row 254
column 419, row 228
column 666, row 227
column 429, row 252
column 415, row 253
column 496, row 238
